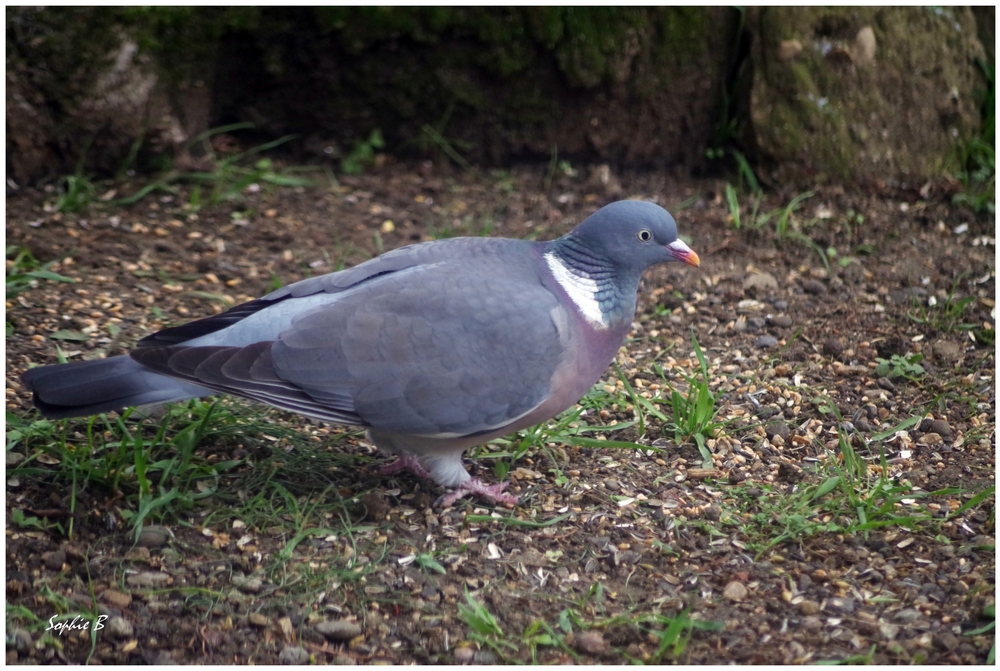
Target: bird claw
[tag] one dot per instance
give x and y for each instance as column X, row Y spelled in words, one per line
column 406, row 462
column 476, row 488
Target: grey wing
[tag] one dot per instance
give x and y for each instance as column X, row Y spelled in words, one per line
column 435, row 350
column 264, row 318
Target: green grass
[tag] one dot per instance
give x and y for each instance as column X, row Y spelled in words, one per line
column 230, row 175
column 690, row 415
column 75, row 193
column 63, row 613
column 24, row 271
column 989, row 612
column 670, row 632
column 158, row 466
column 947, row 316
column 900, row 367
column 843, row 493
column 362, row 156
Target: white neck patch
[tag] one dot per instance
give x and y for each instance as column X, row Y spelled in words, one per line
column 581, row 290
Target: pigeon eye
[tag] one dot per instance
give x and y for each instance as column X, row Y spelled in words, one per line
column 645, row 235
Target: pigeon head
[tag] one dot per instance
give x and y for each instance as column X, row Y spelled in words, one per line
column 599, row 263
column 633, row 235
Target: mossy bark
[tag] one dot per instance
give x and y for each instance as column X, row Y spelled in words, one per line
column 633, row 85
column 859, row 93
column 640, row 86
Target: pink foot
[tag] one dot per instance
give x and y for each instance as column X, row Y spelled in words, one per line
column 475, row 487
column 405, row 462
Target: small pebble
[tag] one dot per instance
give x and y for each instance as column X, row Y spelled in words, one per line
column 777, row 429
column 14, row 458
column 812, row 622
column 814, row 287
column 251, row 585
column 808, row 607
column 589, row 642
column 888, row 630
column 766, row 341
column 54, row 560
column 840, row 604
column 293, row 655
column 464, row 655
column 259, row 620
column 886, row 383
column 833, row 347
column 946, row 352
column 780, row 305
column 781, row 321
column 154, row 536
column 339, row 630
column 117, row 599
column 907, row 615
column 119, row 627
column 22, row 641
column 760, row 284
column 756, row 323
column 942, row 428
column 735, row 591
column 484, row 657
column 946, row 640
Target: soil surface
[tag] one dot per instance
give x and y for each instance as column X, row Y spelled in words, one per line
column 607, row 545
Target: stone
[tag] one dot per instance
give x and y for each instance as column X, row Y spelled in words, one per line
column 840, row 604
column 760, row 284
column 907, row 615
column 773, row 429
column 119, row 627
column 154, row 536
column 293, row 655
column 942, row 428
column 247, row 585
column 22, row 641
column 54, row 560
column 781, row 321
column 832, row 347
column 814, row 287
column 766, row 341
column 119, row 600
column 340, row 631
column 464, row 655
column 946, row 352
column 808, row 607
column 812, row 622
column 735, row 591
column 589, row 642
column 484, row 658
column 946, row 640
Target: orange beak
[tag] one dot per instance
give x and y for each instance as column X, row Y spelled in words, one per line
column 682, row 252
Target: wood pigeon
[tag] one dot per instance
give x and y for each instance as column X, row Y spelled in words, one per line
column 434, row 348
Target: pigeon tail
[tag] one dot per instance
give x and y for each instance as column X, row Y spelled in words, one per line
column 86, row 388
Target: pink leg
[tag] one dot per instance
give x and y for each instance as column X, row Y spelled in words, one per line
column 475, row 487
column 405, row 462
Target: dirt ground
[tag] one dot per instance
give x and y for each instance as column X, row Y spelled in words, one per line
column 605, row 541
